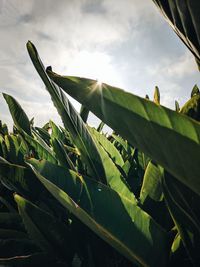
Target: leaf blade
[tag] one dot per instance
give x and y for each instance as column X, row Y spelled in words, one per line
column 101, row 222
column 162, row 129
column 71, row 120
column 19, row 116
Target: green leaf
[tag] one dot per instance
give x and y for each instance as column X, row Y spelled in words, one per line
column 62, row 177
column 178, row 255
column 19, row 116
column 3, row 148
column 61, row 154
column 141, row 159
column 56, row 132
column 127, row 167
column 14, row 154
column 153, row 129
column 72, row 120
column 195, row 91
column 100, row 127
column 108, row 147
column 3, row 128
column 151, row 187
column 156, row 96
column 84, row 112
column 177, row 107
column 24, row 148
column 20, row 179
column 184, row 206
column 125, row 149
column 92, row 203
column 96, row 158
column 50, row 234
column 41, row 148
column 43, row 134
column 114, row 177
column 123, row 143
column 176, row 244
column 46, row 126
column 42, row 142
column 192, row 107
column 31, row 121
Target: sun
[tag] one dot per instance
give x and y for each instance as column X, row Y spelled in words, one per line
column 99, row 82
column 95, row 65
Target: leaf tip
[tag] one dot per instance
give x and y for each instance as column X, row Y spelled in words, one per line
column 6, row 96
column 31, row 49
column 17, row 198
column 49, row 68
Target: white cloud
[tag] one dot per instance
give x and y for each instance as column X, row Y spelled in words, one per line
column 185, row 65
column 175, row 67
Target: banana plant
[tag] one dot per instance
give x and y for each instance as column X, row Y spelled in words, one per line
column 74, row 196
column 152, row 128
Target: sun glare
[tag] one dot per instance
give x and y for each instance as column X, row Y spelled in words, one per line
column 99, row 82
column 97, row 66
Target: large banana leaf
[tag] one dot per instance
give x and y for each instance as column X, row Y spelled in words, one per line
column 71, row 120
column 170, row 138
column 106, row 213
column 183, row 17
column 113, row 175
column 19, row 116
column 92, row 153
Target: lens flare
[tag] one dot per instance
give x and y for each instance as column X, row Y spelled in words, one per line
column 99, row 82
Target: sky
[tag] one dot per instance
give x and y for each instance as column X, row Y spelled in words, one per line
column 127, row 44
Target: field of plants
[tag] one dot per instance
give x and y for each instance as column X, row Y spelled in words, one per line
column 72, row 195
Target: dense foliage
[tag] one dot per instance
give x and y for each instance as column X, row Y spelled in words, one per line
column 75, row 196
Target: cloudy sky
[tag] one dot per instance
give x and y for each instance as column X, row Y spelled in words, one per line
column 125, row 43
